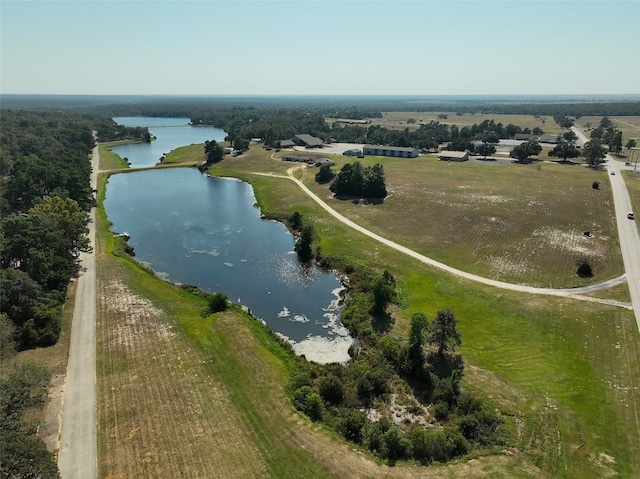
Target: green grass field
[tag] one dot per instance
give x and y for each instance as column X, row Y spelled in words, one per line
column 563, row 372
column 110, row 160
column 557, row 365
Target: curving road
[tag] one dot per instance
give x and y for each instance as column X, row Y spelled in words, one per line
column 568, row 292
column 78, row 455
column 77, row 458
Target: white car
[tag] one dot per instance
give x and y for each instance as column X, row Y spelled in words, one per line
column 630, row 215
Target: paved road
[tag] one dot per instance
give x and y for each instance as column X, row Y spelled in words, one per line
column 78, row 458
column 627, row 230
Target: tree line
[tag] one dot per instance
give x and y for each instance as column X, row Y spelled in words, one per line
column 46, row 195
column 45, row 198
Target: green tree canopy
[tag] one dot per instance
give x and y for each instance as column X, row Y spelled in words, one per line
column 485, row 149
column 419, row 328
column 525, row 150
column 213, row 151
column 383, row 292
column 615, row 143
column 355, row 181
column 324, row 174
column 443, row 332
column 594, row 153
column 564, row 150
column 218, row 302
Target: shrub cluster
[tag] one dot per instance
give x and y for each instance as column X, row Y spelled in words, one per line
column 305, row 236
column 382, row 366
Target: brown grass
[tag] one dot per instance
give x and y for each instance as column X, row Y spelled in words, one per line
column 399, row 120
column 517, row 223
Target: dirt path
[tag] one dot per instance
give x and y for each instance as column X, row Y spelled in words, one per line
column 569, row 292
column 77, row 457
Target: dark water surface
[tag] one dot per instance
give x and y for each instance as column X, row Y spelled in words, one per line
column 204, row 231
column 170, row 134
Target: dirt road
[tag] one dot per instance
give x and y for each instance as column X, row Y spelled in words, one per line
column 570, row 292
column 77, row 458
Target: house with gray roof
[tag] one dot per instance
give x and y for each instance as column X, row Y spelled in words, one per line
column 307, row 141
column 395, row 151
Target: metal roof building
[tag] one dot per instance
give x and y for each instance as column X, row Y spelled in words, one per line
column 307, row 141
column 395, row 151
column 448, row 155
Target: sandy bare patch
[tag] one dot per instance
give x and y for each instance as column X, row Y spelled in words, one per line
column 489, row 199
column 605, row 464
column 141, row 316
column 570, row 241
column 505, row 265
column 415, row 413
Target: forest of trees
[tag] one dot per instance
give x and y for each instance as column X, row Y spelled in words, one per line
column 46, row 194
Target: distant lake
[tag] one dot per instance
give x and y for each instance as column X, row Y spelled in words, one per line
column 170, row 134
column 204, row 231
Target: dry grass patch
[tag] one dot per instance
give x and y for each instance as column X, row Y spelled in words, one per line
column 400, row 120
column 517, row 223
column 161, row 414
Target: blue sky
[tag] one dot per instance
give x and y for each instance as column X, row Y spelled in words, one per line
column 320, row 47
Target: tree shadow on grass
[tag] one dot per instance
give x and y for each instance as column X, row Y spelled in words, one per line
column 567, row 162
column 382, row 323
column 443, row 365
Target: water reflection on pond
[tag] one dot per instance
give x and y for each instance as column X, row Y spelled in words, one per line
column 170, row 133
column 204, row 231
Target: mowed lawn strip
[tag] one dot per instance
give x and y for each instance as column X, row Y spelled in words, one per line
column 110, row 160
column 574, row 363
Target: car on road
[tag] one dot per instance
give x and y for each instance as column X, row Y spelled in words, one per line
column 613, row 172
column 630, row 215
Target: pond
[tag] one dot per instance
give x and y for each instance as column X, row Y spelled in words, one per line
column 170, row 134
column 194, row 229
